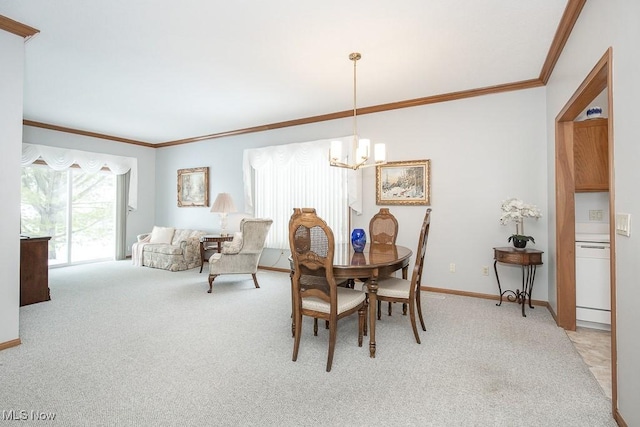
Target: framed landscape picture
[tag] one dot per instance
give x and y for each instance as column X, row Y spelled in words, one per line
column 193, row 187
column 403, row 183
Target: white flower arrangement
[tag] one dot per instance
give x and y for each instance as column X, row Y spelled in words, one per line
column 515, row 210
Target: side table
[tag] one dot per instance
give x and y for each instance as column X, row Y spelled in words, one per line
column 528, row 259
column 212, row 238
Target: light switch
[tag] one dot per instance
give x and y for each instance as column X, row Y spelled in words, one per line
column 595, row 215
column 623, row 224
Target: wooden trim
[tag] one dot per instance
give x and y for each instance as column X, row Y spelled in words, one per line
column 477, row 295
column 600, row 78
column 588, row 90
column 618, row 418
column 565, row 226
column 525, row 84
column 17, row 28
column 85, row 133
column 568, row 20
column 9, row 344
column 612, row 231
column 279, row 270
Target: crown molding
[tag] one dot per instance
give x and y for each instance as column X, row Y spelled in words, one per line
column 85, row 133
column 452, row 96
column 568, row 20
column 17, row 28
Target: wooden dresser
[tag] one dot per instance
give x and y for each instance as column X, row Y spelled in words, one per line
column 34, row 270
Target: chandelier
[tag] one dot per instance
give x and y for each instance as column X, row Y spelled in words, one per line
column 358, row 153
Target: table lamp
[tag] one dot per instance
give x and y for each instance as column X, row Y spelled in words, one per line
column 223, row 205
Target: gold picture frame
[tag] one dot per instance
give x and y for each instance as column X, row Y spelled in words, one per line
column 193, row 187
column 404, row 183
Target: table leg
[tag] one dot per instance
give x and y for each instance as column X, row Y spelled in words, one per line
column 201, row 256
column 531, row 276
column 495, row 269
column 372, row 284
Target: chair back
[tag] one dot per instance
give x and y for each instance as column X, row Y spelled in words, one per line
column 254, row 234
column 312, row 248
column 416, row 277
column 383, row 227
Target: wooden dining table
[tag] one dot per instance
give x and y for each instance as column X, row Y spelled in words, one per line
column 376, row 260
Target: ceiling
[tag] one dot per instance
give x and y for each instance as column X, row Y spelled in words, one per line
column 157, row 71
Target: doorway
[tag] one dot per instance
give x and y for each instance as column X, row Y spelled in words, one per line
column 598, row 80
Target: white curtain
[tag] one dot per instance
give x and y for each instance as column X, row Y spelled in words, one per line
column 282, row 177
column 62, row 158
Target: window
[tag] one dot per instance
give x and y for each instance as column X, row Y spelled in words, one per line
column 75, row 208
column 280, row 178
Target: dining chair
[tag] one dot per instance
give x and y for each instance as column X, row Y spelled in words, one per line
column 383, row 228
column 314, row 289
column 393, row 289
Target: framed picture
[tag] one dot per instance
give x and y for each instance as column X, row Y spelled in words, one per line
column 193, row 187
column 403, row 183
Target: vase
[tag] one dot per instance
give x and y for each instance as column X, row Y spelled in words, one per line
column 358, row 239
column 519, row 243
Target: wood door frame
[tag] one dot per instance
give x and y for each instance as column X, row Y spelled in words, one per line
column 600, row 78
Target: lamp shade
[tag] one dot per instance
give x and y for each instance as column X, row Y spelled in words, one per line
column 223, row 204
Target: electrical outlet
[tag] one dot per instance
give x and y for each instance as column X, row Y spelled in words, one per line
column 452, row 268
column 485, row 270
column 595, row 215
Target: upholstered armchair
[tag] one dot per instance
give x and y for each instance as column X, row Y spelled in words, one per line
column 241, row 255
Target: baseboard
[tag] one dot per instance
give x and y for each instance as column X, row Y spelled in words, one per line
column 280, row 270
column 9, row 344
column 477, row 295
column 618, row 418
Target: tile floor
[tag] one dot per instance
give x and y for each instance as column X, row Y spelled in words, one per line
column 594, row 345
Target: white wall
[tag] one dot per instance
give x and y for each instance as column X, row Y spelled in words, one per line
column 142, row 219
column 11, row 83
column 601, row 25
column 482, row 150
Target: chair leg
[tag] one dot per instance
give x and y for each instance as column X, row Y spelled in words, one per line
column 255, row 280
column 211, row 278
column 296, row 335
column 412, row 315
column 419, row 308
column 332, row 343
column 379, row 308
column 362, row 321
column 315, row 326
column 389, row 308
column 366, row 310
column 404, row 309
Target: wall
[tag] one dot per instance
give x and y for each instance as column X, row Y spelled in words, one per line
column 615, row 24
column 11, row 83
column 482, row 150
column 142, row 219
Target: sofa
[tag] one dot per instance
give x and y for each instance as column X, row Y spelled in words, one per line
column 168, row 248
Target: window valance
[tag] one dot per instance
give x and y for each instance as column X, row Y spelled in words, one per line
column 63, row 158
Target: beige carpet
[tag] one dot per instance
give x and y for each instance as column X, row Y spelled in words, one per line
column 123, row 345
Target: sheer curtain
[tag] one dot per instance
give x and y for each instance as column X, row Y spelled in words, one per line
column 282, row 177
column 125, row 167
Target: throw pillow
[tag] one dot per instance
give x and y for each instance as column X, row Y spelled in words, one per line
column 234, row 246
column 162, row 235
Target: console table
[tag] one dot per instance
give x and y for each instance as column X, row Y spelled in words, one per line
column 212, row 238
column 528, row 260
column 34, row 270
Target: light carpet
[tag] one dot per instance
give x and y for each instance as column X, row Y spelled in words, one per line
column 123, row 345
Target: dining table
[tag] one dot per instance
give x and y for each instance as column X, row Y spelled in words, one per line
column 376, row 260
